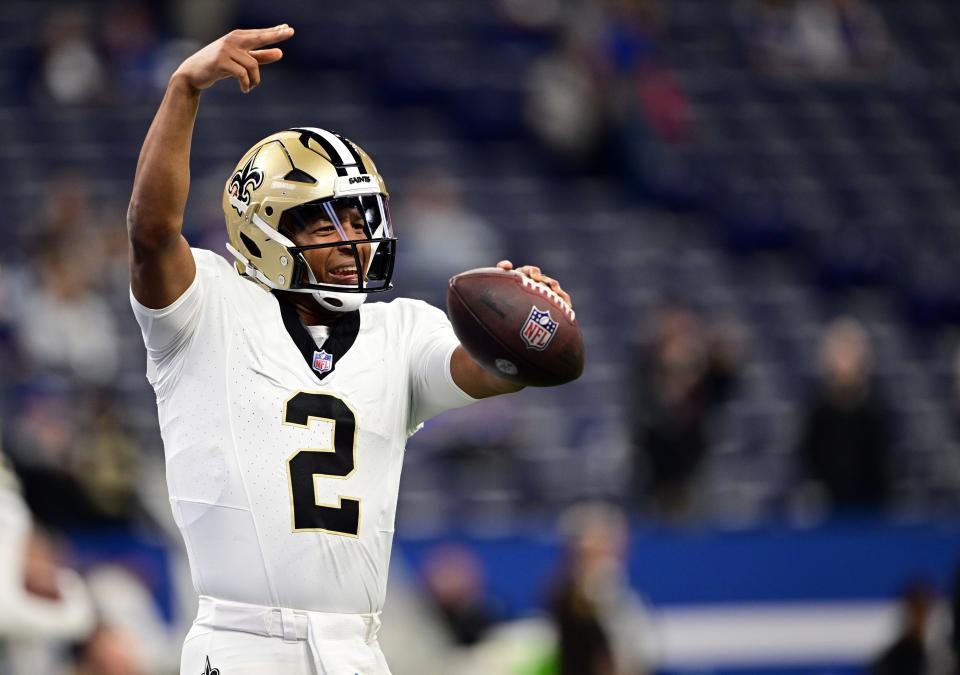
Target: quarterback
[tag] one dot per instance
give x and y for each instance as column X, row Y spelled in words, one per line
column 284, row 400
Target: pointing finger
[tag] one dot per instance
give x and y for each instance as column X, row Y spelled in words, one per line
column 257, row 37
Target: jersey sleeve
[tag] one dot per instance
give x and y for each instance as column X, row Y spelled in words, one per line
column 168, row 332
column 431, row 347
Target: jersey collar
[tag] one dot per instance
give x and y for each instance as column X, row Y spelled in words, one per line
column 343, row 333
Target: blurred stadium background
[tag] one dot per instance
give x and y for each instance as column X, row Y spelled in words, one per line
column 755, row 206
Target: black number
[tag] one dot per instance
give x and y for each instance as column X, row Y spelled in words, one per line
column 338, row 462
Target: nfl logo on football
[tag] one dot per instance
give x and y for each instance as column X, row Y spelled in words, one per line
column 539, row 329
column 322, row 361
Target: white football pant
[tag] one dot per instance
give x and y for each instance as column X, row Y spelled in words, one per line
column 231, row 638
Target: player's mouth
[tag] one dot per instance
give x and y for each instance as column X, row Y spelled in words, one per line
column 344, row 274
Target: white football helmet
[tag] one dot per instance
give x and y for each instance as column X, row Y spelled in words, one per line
column 300, row 175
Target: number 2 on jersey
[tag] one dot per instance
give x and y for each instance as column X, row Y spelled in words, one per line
column 308, row 463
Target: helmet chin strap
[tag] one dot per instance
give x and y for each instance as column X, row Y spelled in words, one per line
column 342, row 302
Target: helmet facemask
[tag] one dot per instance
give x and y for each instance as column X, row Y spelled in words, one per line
column 361, row 223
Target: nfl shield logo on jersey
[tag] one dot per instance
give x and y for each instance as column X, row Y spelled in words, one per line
column 539, row 329
column 322, row 361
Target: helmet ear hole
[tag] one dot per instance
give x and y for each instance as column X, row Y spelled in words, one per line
column 251, row 245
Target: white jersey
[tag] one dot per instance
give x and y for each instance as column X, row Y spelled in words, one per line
column 283, row 459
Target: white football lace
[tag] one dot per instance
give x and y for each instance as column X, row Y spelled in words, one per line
column 545, row 290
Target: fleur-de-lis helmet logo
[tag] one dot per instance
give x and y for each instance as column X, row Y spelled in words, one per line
column 210, row 671
column 243, row 182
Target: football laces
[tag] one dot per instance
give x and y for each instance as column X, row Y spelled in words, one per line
column 547, row 292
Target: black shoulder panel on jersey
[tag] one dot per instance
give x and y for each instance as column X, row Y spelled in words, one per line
column 343, row 333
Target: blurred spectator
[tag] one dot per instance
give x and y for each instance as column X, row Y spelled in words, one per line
column 953, row 639
column 913, row 652
column 38, row 597
column 441, row 236
column 832, row 39
column 41, row 601
column 644, row 85
column 604, row 99
column 677, row 381
column 455, row 583
column 76, row 462
column 603, row 625
column 44, row 604
column 62, row 323
column 72, row 69
column 565, row 103
column 844, row 447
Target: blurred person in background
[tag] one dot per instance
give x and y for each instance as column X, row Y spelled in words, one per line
column 824, row 39
column 565, row 103
column 75, row 460
column 63, row 325
column 71, row 68
column 77, row 469
column 840, row 38
column 62, row 320
column 679, row 378
column 653, row 115
column 38, row 597
column 845, row 438
column 953, row 621
column 644, row 88
column 603, row 625
column 606, row 99
column 454, row 581
column 918, row 648
column 46, row 606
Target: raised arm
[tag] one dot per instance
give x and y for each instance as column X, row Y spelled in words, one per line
column 161, row 266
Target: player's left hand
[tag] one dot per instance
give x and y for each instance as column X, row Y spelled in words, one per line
column 534, row 273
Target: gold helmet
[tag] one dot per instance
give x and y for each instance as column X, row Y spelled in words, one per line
column 302, row 174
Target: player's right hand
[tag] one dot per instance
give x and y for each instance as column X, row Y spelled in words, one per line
column 237, row 54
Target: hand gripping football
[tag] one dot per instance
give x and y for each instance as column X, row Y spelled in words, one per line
column 515, row 327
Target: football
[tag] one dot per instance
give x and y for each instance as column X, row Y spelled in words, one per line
column 515, row 327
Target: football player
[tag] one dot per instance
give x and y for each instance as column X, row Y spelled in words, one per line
column 284, row 401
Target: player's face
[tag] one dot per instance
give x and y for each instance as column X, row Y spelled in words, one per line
column 335, row 264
